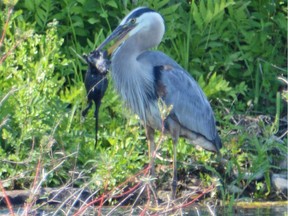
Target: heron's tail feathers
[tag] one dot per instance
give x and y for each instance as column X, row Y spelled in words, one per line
column 204, row 143
column 199, row 140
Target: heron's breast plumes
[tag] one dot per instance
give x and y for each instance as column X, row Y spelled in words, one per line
column 136, row 87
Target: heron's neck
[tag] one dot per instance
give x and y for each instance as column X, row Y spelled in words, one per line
column 133, row 80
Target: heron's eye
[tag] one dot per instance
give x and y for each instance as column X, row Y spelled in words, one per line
column 133, row 21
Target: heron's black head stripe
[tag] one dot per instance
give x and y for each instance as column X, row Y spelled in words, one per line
column 139, row 12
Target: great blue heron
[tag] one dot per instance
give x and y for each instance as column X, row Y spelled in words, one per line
column 142, row 77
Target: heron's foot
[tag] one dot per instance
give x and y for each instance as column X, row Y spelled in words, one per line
column 147, row 192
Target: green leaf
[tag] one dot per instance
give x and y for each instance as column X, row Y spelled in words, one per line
column 216, row 84
column 197, row 17
column 112, row 3
column 92, row 20
column 29, row 5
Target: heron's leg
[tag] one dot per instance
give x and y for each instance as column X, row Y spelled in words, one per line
column 174, row 128
column 174, row 180
column 151, row 145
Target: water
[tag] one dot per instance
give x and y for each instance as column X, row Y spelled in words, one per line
column 250, row 209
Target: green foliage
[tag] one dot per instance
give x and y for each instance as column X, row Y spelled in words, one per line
column 206, row 14
column 225, row 37
column 31, row 79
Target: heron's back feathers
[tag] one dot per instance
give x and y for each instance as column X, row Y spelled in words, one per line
column 191, row 108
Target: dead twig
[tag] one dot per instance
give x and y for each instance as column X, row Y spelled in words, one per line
column 8, row 203
column 104, row 197
column 10, row 10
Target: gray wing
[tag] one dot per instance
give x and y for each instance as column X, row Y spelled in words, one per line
column 190, row 105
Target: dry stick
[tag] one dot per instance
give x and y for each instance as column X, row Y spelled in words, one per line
column 113, row 209
column 86, row 206
column 64, row 187
column 127, row 192
column 13, row 48
column 34, row 190
column 10, row 10
column 168, row 203
column 31, row 198
column 283, row 135
column 10, row 51
column 143, row 211
column 147, row 203
column 128, row 196
column 63, row 202
column 88, row 198
column 210, row 210
column 8, row 203
column 185, row 198
column 154, row 194
column 161, row 138
column 139, row 194
column 131, row 212
column 102, row 201
column 101, row 204
column 108, row 195
column 68, row 213
column 54, row 168
column 188, row 203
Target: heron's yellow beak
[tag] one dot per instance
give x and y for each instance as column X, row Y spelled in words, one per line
column 120, row 34
column 112, row 48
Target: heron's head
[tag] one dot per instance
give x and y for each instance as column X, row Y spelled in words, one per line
column 143, row 23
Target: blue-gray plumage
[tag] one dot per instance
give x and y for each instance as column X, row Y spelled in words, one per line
column 142, row 77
